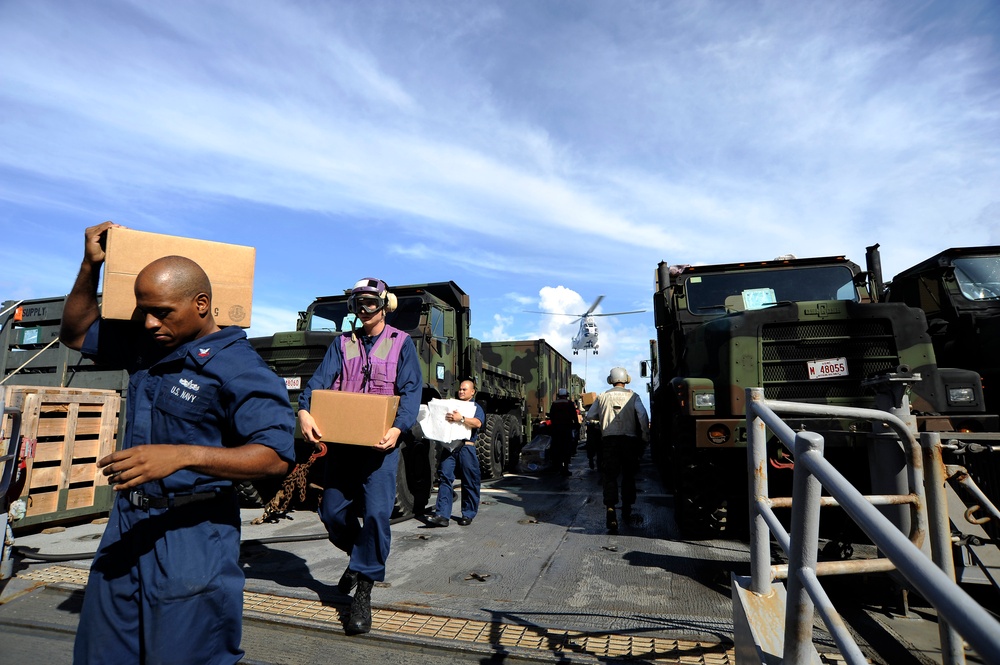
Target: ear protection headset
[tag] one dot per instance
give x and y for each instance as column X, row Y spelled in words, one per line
column 372, row 288
column 619, row 375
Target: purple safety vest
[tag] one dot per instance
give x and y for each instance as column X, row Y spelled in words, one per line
column 383, row 361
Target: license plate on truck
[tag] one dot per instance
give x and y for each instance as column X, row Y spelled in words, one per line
column 825, row 369
column 293, row 382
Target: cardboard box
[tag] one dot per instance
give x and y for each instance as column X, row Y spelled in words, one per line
column 588, row 399
column 355, row 418
column 229, row 268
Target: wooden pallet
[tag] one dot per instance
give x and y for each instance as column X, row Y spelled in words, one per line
column 65, row 431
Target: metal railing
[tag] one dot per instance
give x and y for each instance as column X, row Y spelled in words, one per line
column 958, row 613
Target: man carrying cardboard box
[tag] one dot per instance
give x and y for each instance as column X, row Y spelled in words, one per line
column 382, row 360
column 203, row 410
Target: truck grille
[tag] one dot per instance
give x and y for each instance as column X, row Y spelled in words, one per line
column 868, row 344
column 295, row 361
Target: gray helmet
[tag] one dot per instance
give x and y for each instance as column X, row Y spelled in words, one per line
column 372, row 296
column 619, row 375
column 562, row 392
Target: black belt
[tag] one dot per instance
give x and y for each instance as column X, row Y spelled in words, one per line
column 143, row 501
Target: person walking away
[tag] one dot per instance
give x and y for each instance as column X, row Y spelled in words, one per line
column 624, row 431
column 361, row 480
column 465, row 460
column 564, row 419
column 203, row 411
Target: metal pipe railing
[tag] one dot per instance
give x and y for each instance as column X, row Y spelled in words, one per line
column 958, row 612
column 762, row 518
column 941, row 548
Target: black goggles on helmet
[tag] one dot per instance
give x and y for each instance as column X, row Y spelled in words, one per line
column 365, row 303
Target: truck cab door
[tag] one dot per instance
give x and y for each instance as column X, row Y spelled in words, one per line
column 440, row 359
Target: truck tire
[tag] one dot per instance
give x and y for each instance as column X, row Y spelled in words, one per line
column 491, row 446
column 414, row 476
column 513, row 427
column 710, row 500
column 403, row 506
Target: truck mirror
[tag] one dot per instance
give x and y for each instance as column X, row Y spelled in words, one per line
column 644, row 369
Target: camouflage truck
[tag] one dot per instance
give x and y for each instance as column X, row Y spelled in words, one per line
column 543, row 370
column 959, row 291
column 804, row 330
column 437, row 317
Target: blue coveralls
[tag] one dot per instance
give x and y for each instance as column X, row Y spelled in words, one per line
column 361, row 481
column 166, row 585
column 468, row 461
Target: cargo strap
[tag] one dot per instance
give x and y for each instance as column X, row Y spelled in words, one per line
column 295, row 484
column 143, row 501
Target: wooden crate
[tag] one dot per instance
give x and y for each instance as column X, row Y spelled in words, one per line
column 66, row 430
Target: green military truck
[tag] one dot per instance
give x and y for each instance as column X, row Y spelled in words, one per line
column 542, row 368
column 437, row 317
column 805, row 330
column 959, row 291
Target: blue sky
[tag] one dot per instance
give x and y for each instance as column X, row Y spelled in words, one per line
column 538, row 153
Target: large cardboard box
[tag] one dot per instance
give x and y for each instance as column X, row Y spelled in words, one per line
column 355, row 418
column 588, row 399
column 229, row 268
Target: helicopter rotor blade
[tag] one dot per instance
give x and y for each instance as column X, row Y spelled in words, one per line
column 594, row 306
column 634, row 311
column 530, row 311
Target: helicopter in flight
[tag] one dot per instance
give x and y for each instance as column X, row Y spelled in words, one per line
column 586, row 338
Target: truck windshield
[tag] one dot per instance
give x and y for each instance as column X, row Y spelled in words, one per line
column 334, row 317
column 740, row 291
column 979, row 277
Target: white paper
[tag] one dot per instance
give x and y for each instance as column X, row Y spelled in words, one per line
column 433, row 426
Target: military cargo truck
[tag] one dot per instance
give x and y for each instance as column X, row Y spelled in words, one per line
column 543, row 370
column 959, row 291
column 437, row 317
column 805, row 330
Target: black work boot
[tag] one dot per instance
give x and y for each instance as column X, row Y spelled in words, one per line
column 347, row 582
column 360, row 617
column 612, row 520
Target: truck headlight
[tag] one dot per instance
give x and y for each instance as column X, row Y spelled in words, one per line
column 704, row 400
column 966, row 395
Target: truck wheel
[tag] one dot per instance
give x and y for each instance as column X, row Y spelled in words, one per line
column 704, row 497
column 403, row 507
column 491, row 446
column 513, row 427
